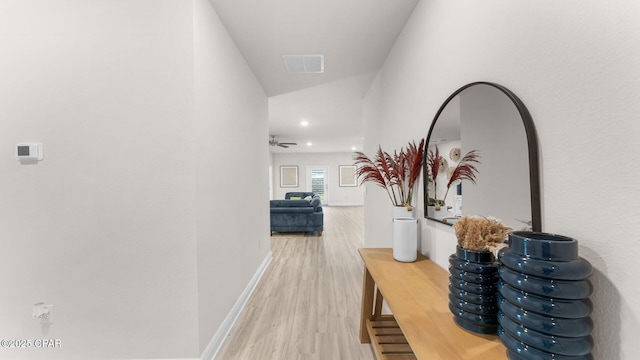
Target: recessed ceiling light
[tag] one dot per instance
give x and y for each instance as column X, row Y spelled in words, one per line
column 353, row 148
column 304, row 123
column 309, row 143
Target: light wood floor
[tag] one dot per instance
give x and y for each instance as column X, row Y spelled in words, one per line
column 307, row 304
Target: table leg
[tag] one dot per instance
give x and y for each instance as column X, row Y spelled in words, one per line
column 367, row 305
column 377, row 310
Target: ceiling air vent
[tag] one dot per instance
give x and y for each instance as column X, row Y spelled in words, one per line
column 304, row 64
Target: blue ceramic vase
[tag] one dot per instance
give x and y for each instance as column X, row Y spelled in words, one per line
column 543, row 298
column 473, row 290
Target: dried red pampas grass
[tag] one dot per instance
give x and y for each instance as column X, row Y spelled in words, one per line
column 465, row 169
column 397, row 173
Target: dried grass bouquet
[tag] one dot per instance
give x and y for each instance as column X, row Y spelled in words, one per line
column 464, row 170
column 397, row 173
column 480, row 233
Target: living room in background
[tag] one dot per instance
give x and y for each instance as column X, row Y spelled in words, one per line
column 348, row 175
column 288, row 176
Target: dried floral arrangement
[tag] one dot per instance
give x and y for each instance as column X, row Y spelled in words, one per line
column 480, row 233
column 464, row 170
column 395, row 173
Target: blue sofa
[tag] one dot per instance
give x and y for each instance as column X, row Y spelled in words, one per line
column 292, row 215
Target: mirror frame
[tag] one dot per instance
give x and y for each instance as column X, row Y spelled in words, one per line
column 532, row 145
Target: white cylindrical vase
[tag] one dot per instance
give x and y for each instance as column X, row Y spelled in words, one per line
column 401, row 212
column 437, row 214
column 405, row 239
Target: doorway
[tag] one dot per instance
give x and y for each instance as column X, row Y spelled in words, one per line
column 318, row 182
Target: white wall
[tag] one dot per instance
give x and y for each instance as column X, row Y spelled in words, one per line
column 110, row 226
column 231, row 123
column 574, row 65
column 338, row 195
column 376, row 123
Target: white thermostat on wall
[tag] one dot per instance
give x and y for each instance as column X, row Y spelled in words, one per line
column 29, row 152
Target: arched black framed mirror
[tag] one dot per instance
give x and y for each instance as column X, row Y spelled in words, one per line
column 491, row 119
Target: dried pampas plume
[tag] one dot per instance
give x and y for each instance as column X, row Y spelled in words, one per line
column 479, row 233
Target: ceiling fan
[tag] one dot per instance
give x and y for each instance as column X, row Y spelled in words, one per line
column 274, row 142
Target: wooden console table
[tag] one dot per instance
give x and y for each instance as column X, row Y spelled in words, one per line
column 421, row 326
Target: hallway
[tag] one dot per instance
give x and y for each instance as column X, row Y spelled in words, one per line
column 307, row 304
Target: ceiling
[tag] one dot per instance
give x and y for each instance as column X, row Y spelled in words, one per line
column 354, row 36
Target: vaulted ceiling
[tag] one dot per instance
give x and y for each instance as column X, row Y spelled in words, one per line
column 354, row 36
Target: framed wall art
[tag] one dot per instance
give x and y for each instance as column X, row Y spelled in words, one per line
column 288, row 176
column 348, row 175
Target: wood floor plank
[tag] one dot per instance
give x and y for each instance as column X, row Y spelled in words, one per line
column 307, row 304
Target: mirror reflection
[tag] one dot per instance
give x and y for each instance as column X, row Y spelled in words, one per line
column 482, row 119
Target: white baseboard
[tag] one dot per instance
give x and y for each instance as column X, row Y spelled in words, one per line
column 346, row 204
column 220, row 336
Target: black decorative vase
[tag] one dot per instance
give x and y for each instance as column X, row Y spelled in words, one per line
column 544, row 298
column 473, row 290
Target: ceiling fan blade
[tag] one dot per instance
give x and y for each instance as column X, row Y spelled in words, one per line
column 283, row 145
